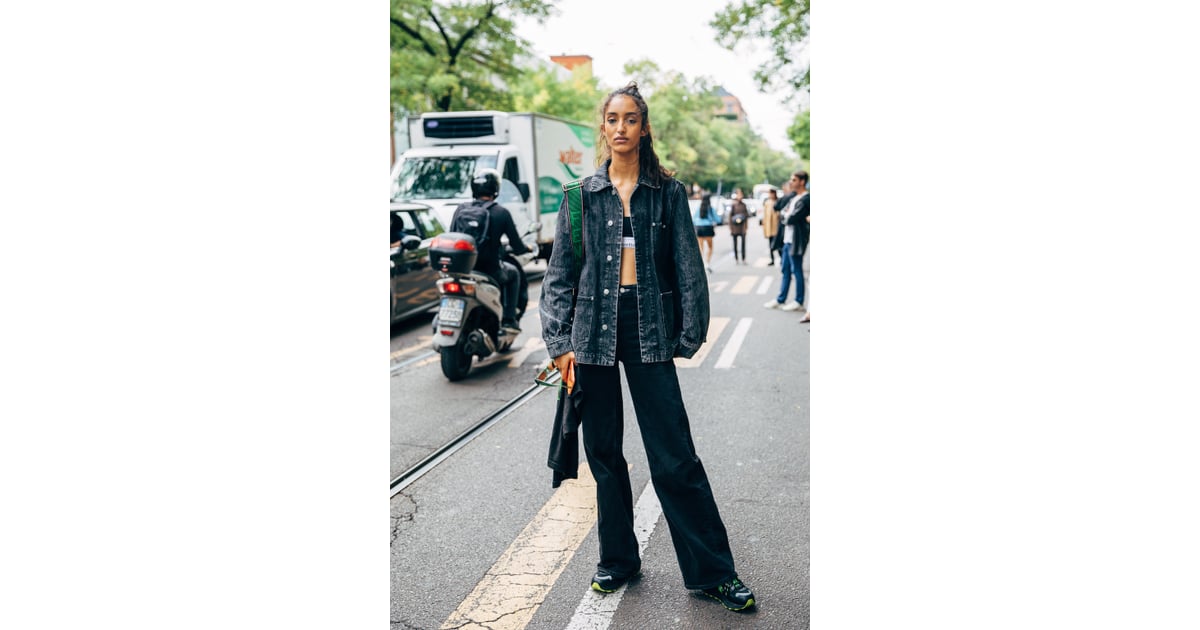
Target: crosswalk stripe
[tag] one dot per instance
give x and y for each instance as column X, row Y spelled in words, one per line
column 515, row 587
column 765, row 286
column 715, row 326
column 744, row 285
column 595, row 611
column 734, row 344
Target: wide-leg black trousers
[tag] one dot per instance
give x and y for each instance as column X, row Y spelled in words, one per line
column 701, row 542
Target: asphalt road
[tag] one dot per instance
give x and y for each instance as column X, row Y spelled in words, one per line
column 750, row 424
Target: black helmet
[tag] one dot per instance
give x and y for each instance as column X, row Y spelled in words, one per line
column 486, row 183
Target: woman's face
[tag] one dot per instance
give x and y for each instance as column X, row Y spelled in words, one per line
column 623, row 126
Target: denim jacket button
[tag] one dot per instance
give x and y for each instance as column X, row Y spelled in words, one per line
column 606, row 292
column 608, row 258
column 610, row 223
column 603, row 326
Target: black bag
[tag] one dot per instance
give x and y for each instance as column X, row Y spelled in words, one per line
column 475, row 219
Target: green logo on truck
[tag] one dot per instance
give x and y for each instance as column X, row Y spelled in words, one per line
column 550, row 194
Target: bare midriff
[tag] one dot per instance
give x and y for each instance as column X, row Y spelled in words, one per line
column 628, row 264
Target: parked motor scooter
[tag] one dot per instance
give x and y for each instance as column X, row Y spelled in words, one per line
column 468, row 322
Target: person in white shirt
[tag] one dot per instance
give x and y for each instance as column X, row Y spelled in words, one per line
column 794, row 226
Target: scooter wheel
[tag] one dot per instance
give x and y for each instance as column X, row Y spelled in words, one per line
column 456, row 362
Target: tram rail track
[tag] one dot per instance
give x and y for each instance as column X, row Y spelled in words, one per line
column 416, row 471
column 400, row 365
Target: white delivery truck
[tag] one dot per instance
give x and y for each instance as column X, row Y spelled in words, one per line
column 534, row 153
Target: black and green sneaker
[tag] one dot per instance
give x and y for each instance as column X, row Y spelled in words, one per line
column 605, row 582
column 732, row 594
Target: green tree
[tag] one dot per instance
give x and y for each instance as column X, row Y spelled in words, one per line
column 798, row 134
column 542, row 91
column 453, row 55
column 700, row 147
column 783, row 25
column 681, row 115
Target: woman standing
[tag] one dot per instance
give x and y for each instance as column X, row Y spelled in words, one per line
column 770, row 221
column 739, row 219
column 706, row 222
column 641, row 299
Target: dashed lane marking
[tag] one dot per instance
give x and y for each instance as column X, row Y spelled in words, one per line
column 744, row 285
column 716, row 325
column 735, row 343
column 422, row 343
column 595, row 611
column 512, row 590
column 717, row 286
column 765, row 286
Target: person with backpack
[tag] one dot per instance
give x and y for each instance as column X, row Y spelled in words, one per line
column 636, row 294
column 739, row 218
column 487, row 221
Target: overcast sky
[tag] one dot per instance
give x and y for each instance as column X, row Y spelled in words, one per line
column 614, row 32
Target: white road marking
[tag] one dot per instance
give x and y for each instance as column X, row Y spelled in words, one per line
column 595, row 611
column 765, row 286
column 515, row 587
column 717, row 286
column 715, row 326
column 422, row 344
column 433, row 359
column 735, row 343
column 761, row 262
column 744, row 285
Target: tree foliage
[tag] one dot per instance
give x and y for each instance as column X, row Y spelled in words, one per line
column 701, row 148
column 798, row 134
column 455, row 55
column 542, row 91
column 783, row 26
column 449, row 55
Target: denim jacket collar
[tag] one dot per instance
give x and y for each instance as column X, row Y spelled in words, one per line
column 600, row 180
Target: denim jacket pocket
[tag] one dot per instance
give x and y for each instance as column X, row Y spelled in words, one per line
column 670, row 319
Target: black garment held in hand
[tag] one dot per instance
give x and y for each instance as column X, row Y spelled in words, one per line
column 564, row 442
column 701, row 542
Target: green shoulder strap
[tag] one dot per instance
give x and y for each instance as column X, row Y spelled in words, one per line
column 574, row 192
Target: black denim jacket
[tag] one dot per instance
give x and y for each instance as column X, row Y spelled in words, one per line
column 672, row 289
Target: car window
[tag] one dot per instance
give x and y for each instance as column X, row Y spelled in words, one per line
column 406, row 220
column 431, row 225
column 508, row 193
column 438, row 177
column 511, row 171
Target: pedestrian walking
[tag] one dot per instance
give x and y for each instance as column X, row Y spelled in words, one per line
column 706, row 221
column 769, row 220
column 790, row 236
column 739, row 220
column 641, row 311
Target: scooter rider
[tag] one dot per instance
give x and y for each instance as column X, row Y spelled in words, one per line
column 484, row 188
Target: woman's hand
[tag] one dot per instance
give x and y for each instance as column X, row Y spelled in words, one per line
column 566, row 367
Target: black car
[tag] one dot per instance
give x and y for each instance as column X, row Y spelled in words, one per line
column 414, row 283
